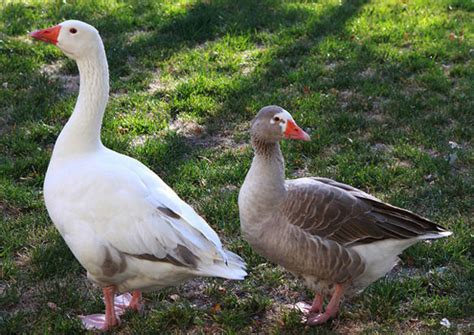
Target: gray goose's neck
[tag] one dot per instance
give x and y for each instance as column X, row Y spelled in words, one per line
column 82, row 132
column 265, row 182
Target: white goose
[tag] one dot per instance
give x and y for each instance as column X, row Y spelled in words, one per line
column 121, row 221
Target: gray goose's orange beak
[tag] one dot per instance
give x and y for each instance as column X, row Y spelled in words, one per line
column 294, row 132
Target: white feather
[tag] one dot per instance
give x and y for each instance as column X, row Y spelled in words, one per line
column 380, row 257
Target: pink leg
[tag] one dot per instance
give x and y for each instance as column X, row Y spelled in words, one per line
column 101, row 321
column 136, row 302
column 317, row 306
column 331, row 309
column 111, row 320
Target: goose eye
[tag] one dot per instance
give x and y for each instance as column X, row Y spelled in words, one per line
column 73, row 30
column 276, row 119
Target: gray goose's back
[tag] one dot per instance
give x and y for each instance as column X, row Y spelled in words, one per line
column 339, row 212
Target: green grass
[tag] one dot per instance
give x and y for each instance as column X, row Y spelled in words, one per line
column 383, row 86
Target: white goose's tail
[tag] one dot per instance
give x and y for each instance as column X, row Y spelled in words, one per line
column 231, row 268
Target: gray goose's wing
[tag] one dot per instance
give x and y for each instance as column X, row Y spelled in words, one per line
column 348, row 216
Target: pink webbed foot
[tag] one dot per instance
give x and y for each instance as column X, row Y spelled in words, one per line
column 316, row 307
column 331, row 309
column 303, row 307
column 114, row 307
column 318, row 318
column 96, row 322
column 129, row 301
column 122, row 303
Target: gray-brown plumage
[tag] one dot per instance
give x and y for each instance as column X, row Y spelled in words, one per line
column 337, row 238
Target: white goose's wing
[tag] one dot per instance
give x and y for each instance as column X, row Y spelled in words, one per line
column 136, row 213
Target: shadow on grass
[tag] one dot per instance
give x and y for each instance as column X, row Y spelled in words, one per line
column 291, row 73
column 170, row 33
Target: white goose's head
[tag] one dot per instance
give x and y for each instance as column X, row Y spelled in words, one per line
column 75, row 38
column 273, row 123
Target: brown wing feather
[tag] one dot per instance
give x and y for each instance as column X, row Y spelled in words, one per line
column 347, row 215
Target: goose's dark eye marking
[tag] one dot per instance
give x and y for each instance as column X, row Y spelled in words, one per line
column 276, row 119
column 73, row 30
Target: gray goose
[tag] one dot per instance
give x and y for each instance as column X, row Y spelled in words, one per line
column 338, row 239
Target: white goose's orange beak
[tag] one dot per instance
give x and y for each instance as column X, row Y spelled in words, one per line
column 48, row 35
column 294, row 132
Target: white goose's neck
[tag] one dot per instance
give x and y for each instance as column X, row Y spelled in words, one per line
column 81, row 133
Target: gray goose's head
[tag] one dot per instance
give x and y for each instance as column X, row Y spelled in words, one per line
column 273, row 123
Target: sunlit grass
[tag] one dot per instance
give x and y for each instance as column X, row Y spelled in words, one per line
column 382, row 86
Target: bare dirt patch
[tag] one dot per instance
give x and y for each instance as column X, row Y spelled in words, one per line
column 248, row 64
column 346, row 97
column 22, row 258
column 187, row 128
column 140, row 140
column 377, row 112
column 411, row 88
column 137, row 35
column 197, row 135
column 367, row 73
column 157, row 83
column 382, row 147
column 9, row 210
column 69, row 83
column 31, row 296
column 331, row 66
